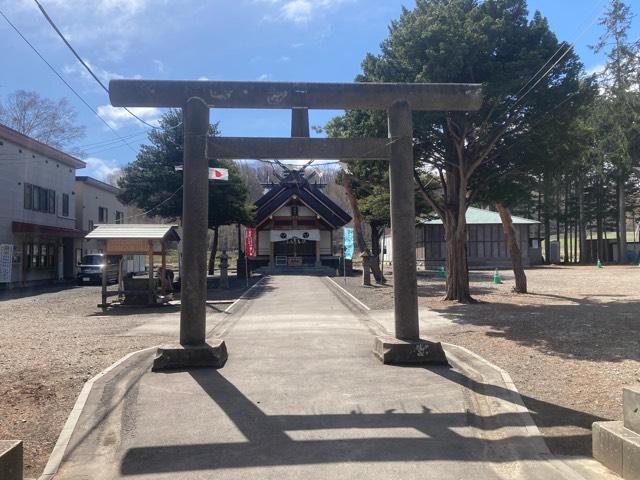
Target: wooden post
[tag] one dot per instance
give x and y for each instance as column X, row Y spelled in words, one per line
column 104, row 281
column 272, row 247
column 120, row 276
column 152, row 290
column 164, row 279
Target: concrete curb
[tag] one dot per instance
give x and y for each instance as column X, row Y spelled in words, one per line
column 57, row 454
column 345, row 292
column 477, row 368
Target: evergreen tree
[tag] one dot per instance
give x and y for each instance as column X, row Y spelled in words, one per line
column 151, row 183
column 470, row 41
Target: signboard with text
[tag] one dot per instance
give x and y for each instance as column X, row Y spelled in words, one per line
column 6, row 259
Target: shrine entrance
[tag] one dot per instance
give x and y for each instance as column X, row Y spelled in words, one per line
column 398, row 100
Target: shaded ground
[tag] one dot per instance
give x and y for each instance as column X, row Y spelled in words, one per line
column 51, row 341
column 574, row 341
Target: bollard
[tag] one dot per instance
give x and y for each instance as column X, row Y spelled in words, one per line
column 224, row 270
column 366, row 268
column 598, row 264
column 496, row 277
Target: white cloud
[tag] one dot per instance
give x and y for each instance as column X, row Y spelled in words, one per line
column 107, row 28
column 100, row 168
column 203, row 78
column 298, row 11
column 596, row 69
column 118, row 117
column 264, row 77
column 159, row 65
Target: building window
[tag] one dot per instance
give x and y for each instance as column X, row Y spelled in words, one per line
column 39, row 199
column 52, row 255
column 52, row 201
column 44, row 249
column 65, row 204
column 119, row 217
column 28, row 196
column 294, row 211
column 35, row 256
column 103, row 215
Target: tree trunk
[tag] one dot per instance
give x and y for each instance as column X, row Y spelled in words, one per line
column 599, row 226
column 565, row 224
column 546, row 208
column 514, row 249
column 622, row 221
column 357, row 225
column 582, row 231
column 214, row 250
column 375, row 254
column 455, row 232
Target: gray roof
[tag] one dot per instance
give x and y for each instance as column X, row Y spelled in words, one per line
column 97, row 183
column 478, row 216
column 147, row 231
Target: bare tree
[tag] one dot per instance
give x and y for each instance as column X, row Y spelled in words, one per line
column 48, row 121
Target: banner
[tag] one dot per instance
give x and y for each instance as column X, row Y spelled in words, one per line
column 348, row 243
column 6, row 259
column 250, row 242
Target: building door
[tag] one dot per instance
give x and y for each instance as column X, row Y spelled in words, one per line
column 302, row 251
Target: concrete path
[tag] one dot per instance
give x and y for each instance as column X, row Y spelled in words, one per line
column 301, row 397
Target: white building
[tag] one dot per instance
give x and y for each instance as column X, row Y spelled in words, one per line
column 39, row 241
column 96, row 203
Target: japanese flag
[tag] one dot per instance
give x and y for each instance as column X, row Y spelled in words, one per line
column 218, row 174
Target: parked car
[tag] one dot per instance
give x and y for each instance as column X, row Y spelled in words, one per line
column 92, row 265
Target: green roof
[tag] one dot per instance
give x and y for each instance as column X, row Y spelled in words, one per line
column 478, row 216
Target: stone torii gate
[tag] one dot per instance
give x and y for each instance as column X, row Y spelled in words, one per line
column 196, row 97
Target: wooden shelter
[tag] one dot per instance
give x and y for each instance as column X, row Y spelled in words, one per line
column 136, row 239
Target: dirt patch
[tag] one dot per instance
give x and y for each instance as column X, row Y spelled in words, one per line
column 52, row 340
column 570, row 345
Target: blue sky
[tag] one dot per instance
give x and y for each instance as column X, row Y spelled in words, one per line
column 302, row 40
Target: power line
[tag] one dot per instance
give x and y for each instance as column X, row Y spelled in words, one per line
column 64, row 81
column 82, row 62
column 569, row 48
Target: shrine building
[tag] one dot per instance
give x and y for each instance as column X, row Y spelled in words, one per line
column 296, row 224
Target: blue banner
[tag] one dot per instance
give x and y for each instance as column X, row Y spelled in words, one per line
column 348, row 243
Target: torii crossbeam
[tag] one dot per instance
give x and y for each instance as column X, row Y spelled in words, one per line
column 197, row 97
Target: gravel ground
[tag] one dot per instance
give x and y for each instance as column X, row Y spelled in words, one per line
column 570, row 345
column 52, row 340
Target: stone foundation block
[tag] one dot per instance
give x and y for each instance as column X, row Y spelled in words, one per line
column 11, row 460
column 631, row 408
column 184, row 357
column 617, row 448
column 631, row 458
column 393, row 351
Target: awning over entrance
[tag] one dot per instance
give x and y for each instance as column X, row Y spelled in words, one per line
column 21, row 227
column 284, row 235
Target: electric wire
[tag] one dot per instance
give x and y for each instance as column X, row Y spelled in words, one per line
column 82, row 62
column 37, row 52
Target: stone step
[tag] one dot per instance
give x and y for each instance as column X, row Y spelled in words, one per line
column 312, row 271
column 631, row 408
